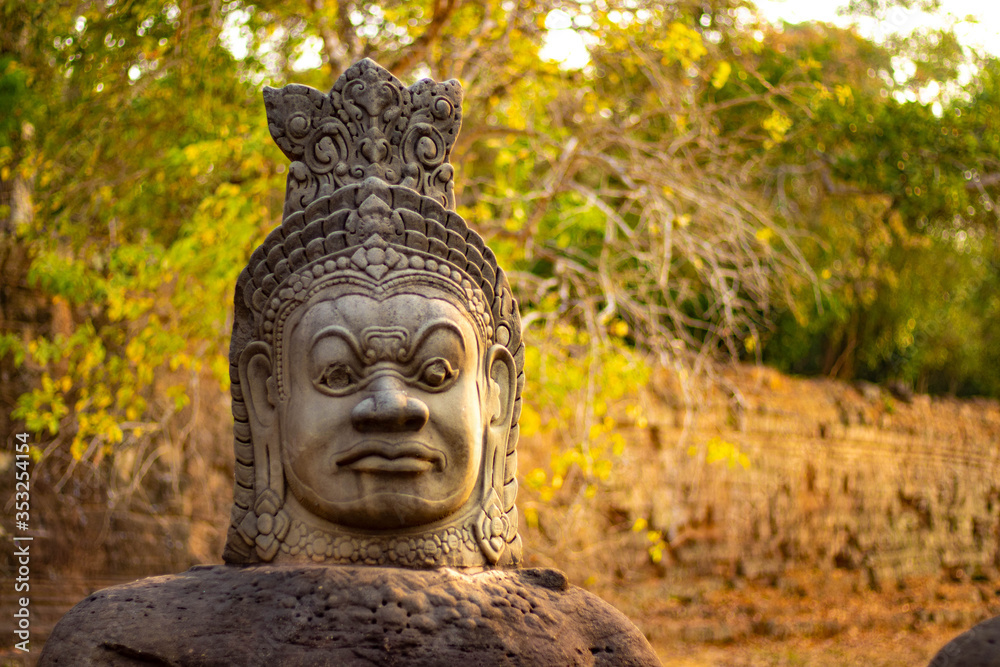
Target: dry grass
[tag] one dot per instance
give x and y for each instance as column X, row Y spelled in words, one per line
column 808, row 619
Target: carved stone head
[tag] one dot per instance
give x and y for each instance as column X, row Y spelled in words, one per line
column 376, row 358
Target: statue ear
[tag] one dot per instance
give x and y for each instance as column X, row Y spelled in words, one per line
column 257, row 383
column 503, row 386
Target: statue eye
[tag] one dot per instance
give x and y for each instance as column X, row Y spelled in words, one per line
column 437, row 372
column 337, row 377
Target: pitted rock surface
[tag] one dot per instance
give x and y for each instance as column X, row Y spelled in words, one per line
column 351, row 616
column 977, row 647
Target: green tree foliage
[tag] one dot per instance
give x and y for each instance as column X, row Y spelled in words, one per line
column 149, row 184
column 899, row 199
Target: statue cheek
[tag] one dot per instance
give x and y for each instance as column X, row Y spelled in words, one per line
column 463, row 423
column 301, row 424
column 309, row 409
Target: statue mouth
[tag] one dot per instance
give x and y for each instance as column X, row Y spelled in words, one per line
column 390, row 457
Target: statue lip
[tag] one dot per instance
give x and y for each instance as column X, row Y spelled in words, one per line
column 398, row 457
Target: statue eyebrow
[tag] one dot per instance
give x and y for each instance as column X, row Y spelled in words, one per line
column 433, row 326
column 336, row 330
column 360, row 349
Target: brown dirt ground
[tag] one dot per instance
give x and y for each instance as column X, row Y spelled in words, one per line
column 806, row 618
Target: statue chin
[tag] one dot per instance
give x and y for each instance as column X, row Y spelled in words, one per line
column 385, row 510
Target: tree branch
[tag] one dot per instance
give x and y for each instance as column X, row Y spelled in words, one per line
column 443, row 9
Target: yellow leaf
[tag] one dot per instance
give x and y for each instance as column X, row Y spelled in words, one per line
column 530, row 422
column 721, row 74
column 536, row 478
column 777, row 125
column 78, row 448
column 844, row 94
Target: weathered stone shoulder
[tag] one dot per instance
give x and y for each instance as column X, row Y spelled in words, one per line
column 351, row 616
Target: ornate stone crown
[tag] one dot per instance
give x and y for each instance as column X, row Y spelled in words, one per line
column 369, row 203
column 369, row 125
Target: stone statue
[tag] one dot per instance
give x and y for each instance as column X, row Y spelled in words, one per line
column 376, row 356
column 376, row 366
column 979, row 646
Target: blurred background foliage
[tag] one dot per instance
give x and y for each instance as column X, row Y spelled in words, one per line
column 706, row 188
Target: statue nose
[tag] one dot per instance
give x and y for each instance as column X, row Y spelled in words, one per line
column 387, row 408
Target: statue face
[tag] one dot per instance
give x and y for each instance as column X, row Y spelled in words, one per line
column 383, row 423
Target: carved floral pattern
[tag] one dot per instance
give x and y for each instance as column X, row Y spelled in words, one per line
column 433, row 549
column 265, row 527
column 494, row 528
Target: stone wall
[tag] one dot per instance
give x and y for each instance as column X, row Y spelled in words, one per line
column 840, row 476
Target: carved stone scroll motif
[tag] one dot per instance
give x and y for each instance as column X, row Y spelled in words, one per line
column 368, row 125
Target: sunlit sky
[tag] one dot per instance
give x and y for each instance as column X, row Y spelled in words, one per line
column 982, row 32
column 977, row 24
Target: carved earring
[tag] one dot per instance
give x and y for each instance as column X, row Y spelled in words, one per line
column 491, row 527
column 273, row 521
column 266, row 524
column 272, row 524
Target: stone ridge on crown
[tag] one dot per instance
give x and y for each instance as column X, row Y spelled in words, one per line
column 368, row 125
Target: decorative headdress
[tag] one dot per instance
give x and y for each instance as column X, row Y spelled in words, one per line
column 369, row 202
